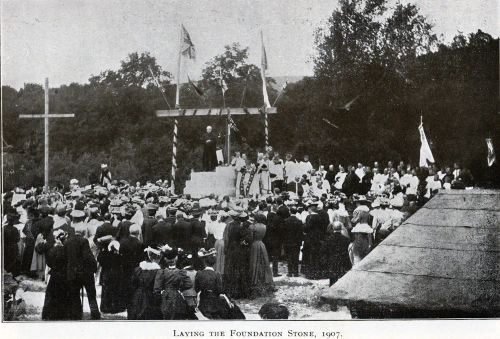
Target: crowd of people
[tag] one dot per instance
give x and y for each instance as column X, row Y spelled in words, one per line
column 158, row 255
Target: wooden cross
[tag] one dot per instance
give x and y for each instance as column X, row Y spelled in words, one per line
column 208, row 112
column 46, row 116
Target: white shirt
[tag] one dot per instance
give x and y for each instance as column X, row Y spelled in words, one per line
column 290, row 171
column 216, row 228
column 339, row 180
column 360, row 173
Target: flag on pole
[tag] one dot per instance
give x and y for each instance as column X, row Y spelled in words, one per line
column 263, row 72
column 425, row 150
column 187, row 46
column 198, row 90
column 491, row 152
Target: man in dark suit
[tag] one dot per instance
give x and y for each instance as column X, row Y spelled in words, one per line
column 81, row 267
column 209, row 150
column 183, row 231
column 314, row 235
column 198, row 236
column 162, row 233
column 338, row 262
column 293, row 235
column 273, row 238
column 148, row 223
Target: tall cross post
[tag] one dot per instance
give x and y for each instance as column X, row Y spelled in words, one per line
column 46, row 116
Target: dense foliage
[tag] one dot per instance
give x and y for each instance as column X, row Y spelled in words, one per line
column 384, row 63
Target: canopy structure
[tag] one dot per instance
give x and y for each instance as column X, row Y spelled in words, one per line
column 442, row 262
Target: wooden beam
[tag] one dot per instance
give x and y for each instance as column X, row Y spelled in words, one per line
column 30, row 116
column 211, row 111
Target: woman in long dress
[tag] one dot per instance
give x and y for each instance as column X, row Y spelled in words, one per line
column 212, row 303
column 216, row 229
column 168, row 287
column 237, row 241
column 144, row 305
column 261, row 276
column 111, row 273
column 56, row 296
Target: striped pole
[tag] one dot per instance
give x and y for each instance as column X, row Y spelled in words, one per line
column 174, row 154
column 266, row 128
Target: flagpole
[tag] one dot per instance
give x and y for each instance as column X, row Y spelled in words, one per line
column 177, row 91
column 264, row 92
column 177, row 105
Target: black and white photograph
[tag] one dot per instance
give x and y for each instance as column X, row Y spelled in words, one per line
column 317, row 161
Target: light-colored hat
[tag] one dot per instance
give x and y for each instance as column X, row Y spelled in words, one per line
column 73, row 182
column 362, row 228
column 77, row 214
column 104, row 166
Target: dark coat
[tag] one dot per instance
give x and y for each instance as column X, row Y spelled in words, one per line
column 274, row 237
column 103, row 230
column 10, row 252
column 163, row 233
column 43, row 226
column 237, row 241
column 293, row 232
column 338, row 262
column 80, row 261
column 111, row 276
column 351, row 184
column 198, row 235
column 183, row 231
column 147, row 231
column 55, row 306
column 283, row 212
column 169, row 283
column 212, row 305
column 144, row 306
column 132, row 253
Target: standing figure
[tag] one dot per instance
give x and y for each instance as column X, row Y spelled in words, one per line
column 338, row 262
column 293, row 235
column 111, row 274
column 105, row 176
column 56, row 295
column 209, row 150
column 261, row 276
column 237, row 241
column 169, row 284
column 81, row 267
column 144, row 305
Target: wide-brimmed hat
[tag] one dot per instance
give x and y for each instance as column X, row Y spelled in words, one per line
column 77, row 213
column 362, row 228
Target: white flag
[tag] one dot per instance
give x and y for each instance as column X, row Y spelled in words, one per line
column 491, row 152
column 425, row 150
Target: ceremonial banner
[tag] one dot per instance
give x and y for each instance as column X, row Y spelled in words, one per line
column 187, row 46
column 491, row 152
column 425, row 150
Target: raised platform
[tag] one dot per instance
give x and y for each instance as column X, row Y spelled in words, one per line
column 220, row 182
column 442, row 262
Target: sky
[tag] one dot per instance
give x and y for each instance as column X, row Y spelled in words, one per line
column 69, row 40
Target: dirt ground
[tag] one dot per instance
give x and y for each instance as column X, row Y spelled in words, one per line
column 300, row 295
